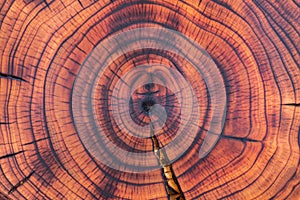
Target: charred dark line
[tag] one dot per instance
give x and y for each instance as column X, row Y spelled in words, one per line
column 199, row 2
column 4, row 123
column 11, row 154
column 220, row 2
column 8, row 76
column 291, row 104
column 115, row 73
column 47, row 4
column 15, row 187
column 295, row 2
column 240, row 139
column 80, row 3
column 35, row 141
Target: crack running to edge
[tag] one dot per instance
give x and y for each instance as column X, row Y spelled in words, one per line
column 172, row 186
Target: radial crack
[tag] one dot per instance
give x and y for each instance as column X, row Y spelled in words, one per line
column 4, row 123
column 241, row 139
column 15, row 187
column 35, row 141
column 291, row 104
column 11, row 155
column 9, row 76
column 172, row 186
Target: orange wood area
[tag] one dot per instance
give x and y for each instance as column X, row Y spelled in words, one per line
column 44, row 75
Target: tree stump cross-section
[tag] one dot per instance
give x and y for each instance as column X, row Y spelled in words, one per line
column 149, row 99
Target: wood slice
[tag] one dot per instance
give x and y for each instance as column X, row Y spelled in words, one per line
column 149, row 99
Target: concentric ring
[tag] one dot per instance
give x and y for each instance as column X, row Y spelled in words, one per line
column 83, row 104
column 45, row 47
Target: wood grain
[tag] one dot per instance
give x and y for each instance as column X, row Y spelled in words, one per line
column 255, row 45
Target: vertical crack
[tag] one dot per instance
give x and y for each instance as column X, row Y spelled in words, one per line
column 172, row 186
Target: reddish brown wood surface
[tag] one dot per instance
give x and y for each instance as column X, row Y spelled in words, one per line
column 255, row 45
